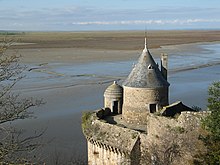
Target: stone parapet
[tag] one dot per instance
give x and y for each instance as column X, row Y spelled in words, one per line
column 112, row 144
column 102, row 133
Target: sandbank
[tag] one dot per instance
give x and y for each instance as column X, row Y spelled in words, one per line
column 79, row 55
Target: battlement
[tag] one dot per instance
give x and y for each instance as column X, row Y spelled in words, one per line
column 106, row 147
column 115, row 143
column 108, row 142
column 110, row 136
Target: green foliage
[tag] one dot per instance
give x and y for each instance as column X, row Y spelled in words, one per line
column 134, row 135
column 211, row 124
column 212, row 155
column 158, row 113
column 11, row 33
column 214, row 97
column 85, row 119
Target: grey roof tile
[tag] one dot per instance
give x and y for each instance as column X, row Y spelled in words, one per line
column 146, row 73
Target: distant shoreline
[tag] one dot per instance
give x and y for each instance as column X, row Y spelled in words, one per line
column 112, row 40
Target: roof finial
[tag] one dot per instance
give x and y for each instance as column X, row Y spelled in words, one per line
column 145, row 44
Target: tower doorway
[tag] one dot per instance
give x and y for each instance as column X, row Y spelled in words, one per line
column 115, row 107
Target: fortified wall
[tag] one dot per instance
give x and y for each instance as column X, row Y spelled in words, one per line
column 111, row 144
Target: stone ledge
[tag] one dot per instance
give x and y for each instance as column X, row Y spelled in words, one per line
column 112, row 136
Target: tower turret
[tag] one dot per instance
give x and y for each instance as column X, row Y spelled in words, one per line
column 113, row 98
column 145, row 89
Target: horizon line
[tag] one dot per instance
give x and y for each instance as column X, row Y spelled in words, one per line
column 112, row 30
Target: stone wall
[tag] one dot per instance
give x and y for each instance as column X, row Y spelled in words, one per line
column 183, row 130
column 99, row 154
column 136, row 105
column 110, row 144
column 189, row 121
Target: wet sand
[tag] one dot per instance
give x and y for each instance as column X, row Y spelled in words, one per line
column 66, row 100
column 79, row 55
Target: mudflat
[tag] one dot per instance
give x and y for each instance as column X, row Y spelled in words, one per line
column 113, row 40
column 83, row 47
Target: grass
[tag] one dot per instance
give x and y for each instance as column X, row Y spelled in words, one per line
column 4, row 33
column 86, row 117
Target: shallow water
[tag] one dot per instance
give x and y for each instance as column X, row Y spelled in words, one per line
column 209, row 55
column 55, row 73
column 191, row 86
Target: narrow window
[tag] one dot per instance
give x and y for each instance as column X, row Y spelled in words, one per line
column 153, row 108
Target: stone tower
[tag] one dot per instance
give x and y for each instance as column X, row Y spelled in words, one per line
column 113, row 98
column 145, row 90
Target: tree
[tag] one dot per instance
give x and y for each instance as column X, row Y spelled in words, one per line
column 13, row 107
column 211, row 124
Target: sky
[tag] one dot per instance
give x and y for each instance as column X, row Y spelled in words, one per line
column 86, row 15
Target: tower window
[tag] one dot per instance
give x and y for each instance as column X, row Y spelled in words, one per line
column 153, row 108
column 150, row 67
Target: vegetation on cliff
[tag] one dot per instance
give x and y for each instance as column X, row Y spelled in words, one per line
column 212, row 125
column 86, row 120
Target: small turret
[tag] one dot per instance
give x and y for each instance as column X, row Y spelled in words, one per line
column 113, row 98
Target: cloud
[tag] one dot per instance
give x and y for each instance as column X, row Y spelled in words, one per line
column 148, row 22
column 92, row 17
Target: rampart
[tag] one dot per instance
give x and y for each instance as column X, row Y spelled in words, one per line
column 110, row 144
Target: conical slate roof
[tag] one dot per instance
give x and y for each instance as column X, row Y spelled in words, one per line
column 146, row 73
